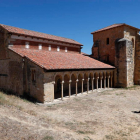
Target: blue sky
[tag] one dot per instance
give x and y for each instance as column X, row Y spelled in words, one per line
column 74, row 19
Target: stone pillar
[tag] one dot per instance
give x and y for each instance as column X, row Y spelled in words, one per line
column 62, row 90
column 104, row 82
column 69, row 88
column 111, row 81
column 88, row 85
column 101, row 82
column 53, row 89
column 97, row 82
column 108, row 81
column 82, row 85
column 92, row 84
column 76, row 87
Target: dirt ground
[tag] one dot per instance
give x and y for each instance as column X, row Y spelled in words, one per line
column 107, row 115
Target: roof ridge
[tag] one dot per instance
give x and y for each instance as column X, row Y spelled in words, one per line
column 36, row 31
column 17, row 30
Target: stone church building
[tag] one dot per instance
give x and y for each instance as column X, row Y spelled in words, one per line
column 48, row 67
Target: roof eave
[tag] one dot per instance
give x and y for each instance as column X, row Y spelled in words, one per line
column 79, row 69
column 44, row 38
column 116, row 27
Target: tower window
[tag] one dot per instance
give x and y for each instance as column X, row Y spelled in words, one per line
column 107, row 41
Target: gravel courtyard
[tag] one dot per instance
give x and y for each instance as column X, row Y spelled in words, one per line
column 108, row 115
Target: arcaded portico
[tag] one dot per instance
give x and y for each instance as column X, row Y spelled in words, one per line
column 68, row 83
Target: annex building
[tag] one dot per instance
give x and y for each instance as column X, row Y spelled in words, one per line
column 47, row 67
column 119, row 46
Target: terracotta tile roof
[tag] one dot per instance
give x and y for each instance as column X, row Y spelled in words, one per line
column 113, row 26
column 20, row 31
column 58, row 60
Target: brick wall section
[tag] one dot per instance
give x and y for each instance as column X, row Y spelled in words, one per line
column 45, row 46
column 137, row 60
column 3, row 42
column 103, row 49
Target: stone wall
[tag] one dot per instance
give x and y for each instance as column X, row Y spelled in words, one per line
column 15, row 77
column 11, row 73
column 124, row 63
column 33, row 88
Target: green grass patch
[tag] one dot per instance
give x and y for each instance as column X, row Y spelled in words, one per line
column 48, row 138
column 85, row 132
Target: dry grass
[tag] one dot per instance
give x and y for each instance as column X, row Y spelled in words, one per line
column 106, row 115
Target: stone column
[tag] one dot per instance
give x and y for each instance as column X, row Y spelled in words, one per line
column 108, row 81
column 104, row 82
column 76, row 87
column 62, row 90
column 69, row 88
column 101, row 82
column 97, row 82
column 82, row 85
column 53, row 89
column 111, row 81
column 88, row 85
column 92, row 84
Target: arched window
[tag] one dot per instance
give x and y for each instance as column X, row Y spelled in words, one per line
column 107, row 41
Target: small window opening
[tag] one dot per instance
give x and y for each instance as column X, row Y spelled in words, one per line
column 49, row 47
column 33, row 75
column 66, row 50
column 27, row 45
column 40, row 46
column 58, row 48
column 107, row 41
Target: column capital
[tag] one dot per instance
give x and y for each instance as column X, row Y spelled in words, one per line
column 53, row 82
column 88, row 79
column 108, row 77
column 62, row 82
column 77, row 80
column 70, row 81
column 83, row 79
column 97, row 77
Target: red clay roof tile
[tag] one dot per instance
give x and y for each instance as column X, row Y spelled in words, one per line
column 20, row 31
column 113, row 26
column 58, row 60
